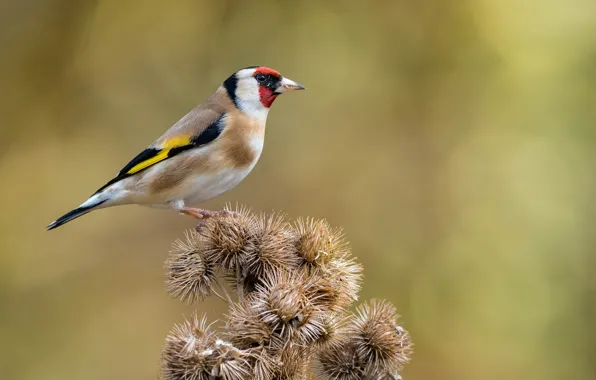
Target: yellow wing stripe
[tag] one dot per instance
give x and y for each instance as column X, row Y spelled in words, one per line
column 176, row 141
column 163, row 153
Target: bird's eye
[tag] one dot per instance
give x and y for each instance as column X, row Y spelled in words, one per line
column 261, row 78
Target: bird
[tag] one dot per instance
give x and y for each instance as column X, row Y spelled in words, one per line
column 206, row 153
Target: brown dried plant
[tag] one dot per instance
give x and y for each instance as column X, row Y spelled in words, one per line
column 294, row 284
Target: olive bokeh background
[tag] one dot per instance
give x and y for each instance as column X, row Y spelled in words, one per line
column 453, row 141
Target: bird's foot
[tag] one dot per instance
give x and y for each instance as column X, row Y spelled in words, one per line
column 203, row 214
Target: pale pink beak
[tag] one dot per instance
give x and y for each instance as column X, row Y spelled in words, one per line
column 287, row 85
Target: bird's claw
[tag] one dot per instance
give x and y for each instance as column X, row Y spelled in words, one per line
column 203, row 214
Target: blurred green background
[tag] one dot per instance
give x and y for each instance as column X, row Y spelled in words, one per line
column 453, row 141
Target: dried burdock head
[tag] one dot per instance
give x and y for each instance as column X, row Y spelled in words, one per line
column 228, row 239
column 271, row 357
column 340, row 362
column 274, row 246
column 265, row 364
column 281, row 301
column 340, row 284
column 379, row 341
column 333, row 331
column 317, row 243
column 288, row 364
column 230, row 363
column 192, row 352
column 187, row 349
column 190, row 273
column 246, row 329
column 325, row 295
column 283, row 297
column 292, row 364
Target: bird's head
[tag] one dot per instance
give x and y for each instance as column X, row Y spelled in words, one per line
column 254, row 89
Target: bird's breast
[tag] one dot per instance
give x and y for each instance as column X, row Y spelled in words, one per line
column 229, row 163
column 241, row 143
column 205, row 172
column 203, row 187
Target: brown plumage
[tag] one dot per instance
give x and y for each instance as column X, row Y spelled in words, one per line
column 206, row 153
column 232, row 149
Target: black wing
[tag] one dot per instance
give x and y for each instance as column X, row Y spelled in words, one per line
column 152, row 155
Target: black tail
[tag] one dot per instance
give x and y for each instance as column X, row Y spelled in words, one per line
column 79, row 211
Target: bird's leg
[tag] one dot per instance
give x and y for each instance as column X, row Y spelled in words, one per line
column 203, row 214
column 196, row 212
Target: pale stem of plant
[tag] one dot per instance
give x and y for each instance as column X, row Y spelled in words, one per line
column 239, row 282
column 228, row 299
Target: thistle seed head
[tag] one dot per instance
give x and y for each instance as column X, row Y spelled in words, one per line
column 293, row 363
column 246, row 329
column 190, row 273
column 340, row 362
column 192, row 352
column 229, row 240
column 230, row 363
column 317, row 243
column 187, row 350
column 339, row 285
column 281, row 301
column 274, row 246
column 333, row 331
column 379, row 341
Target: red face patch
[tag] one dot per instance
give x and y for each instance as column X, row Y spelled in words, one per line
column 267, row 79
column 266, row 70
column 267, row 96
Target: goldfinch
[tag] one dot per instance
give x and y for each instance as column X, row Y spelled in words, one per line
column 206, row 153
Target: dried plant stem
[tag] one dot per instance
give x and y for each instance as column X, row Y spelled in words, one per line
column 239, row 283
column 219, row 296
column 228, row 299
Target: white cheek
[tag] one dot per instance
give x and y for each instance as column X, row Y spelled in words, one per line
column 248, row 90
column 249, row 100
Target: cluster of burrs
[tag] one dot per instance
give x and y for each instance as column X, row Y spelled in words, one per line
column 294, row 284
